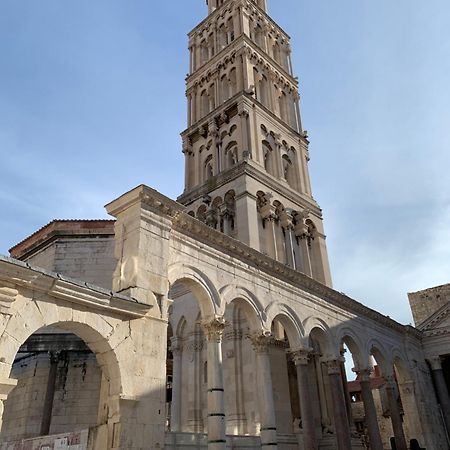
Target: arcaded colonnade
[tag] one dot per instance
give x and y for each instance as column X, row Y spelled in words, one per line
column 257, row 347
column 233, row 312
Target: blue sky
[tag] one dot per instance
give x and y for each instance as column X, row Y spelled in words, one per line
column 92, row 104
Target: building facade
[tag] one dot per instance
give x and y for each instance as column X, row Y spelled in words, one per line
column 209, row 322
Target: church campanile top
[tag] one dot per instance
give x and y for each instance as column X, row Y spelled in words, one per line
column 215, row 4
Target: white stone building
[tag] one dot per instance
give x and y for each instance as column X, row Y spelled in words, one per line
column 209, row 322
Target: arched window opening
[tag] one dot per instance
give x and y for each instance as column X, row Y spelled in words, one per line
column 204, row 102
column 222, row 37
column 204, row 53
column 208, row 168
column 233, row 82
column 288, row 171
column 230, row 30
column 283, row 106
column 269, row 159
column 224, row 88
column 231, row 155
column 201, row 213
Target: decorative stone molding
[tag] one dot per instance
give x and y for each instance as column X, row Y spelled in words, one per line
column 64, row 288
column 6, row 386
column 364, row 375
column 8, row 295
column 435, row 362
column 176, row 345
column 301, row 357
column 214, row 329
column 261, row 342
column 334, row 365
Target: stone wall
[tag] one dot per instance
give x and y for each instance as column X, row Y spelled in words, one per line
column 425, row 303
column 76, row 399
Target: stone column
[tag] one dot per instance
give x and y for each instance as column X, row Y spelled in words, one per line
column 286, row 222
column 265, row 392
column 441, row 388
column 302, row 233
column 370, row 411
column 397, row 426
column 49, row 394
column 341, row 424
column 175, row 411
column 216, row 402
column 301, row 360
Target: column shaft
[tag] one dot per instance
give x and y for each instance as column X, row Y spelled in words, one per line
column 397, row 426
column 216, row 401
column 370, row 411
column 442, row 390
column 49, row 395
column 341, row 424
column 265, row 393
column 307, row 414
column 175, row 412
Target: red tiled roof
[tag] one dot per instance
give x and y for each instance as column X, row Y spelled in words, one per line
column 65, row 227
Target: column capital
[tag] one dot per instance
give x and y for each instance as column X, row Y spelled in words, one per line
column 390, row 381
column 364, row 374
column 301, row 356
column 214, row 328
column 435, row 362
column 176, row 345
column 334, row 365
column 261, row 342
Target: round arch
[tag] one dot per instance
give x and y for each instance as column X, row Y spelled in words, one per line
column 317, row 329
column 250, row 304
column 93, row 329
column 351, row 339
column 378, row 351
column 200, row 285
column 290, row 321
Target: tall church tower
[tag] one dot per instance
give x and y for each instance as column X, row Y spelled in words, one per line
column 245, row 149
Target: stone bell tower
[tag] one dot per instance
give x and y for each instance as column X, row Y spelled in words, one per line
column 245, row 149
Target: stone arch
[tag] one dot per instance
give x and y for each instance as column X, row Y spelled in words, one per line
column 181, row 327
column 90, row 327
column 347, row 336
column 250, row 304
column 200, row 285
column 378, row 351
column 290, row 321
column 400, row 364
column 317, row 329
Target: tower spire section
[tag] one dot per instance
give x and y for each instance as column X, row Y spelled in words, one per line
column 245, row 150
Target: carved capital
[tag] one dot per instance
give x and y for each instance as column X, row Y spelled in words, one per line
column 301, row 356
column 213, row 329
column 435, row 362
column 8, row 295
column 334, row 365
column 268, row 212
column 364, row 375
column 261, row 342
column 176, row 345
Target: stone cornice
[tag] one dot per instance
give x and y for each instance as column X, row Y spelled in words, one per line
column 242, row 44
column 23, row 276
column 251, row 169
column 188, row 225
column 144, row 195
column 436, row 318
column 185, row 224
